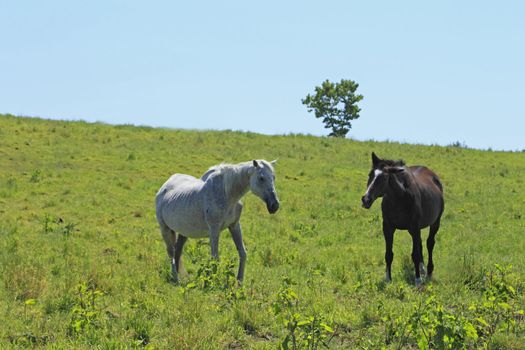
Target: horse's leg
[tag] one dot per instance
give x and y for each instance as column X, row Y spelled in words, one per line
column 236, row 233
column 422, row 270
column 417, row 254
column 170, row 238
column 214, row 241
column 430, row 245
column 388, row 233
column 178, row 250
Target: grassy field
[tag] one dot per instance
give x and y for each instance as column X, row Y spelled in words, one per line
column 83, row 265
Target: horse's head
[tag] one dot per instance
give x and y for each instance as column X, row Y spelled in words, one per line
column 378, row 178
column 262, row 184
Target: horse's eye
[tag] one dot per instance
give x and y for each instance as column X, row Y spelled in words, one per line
column 261, row 178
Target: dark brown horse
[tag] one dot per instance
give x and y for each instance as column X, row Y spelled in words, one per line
column 412, row 200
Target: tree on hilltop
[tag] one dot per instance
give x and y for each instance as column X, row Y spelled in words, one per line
column 336, row 104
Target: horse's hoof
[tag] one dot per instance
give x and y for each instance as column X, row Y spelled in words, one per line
column 419, row 282
column 175, row 278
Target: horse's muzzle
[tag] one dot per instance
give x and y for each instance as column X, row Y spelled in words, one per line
column 272, row 207
column 366, row 202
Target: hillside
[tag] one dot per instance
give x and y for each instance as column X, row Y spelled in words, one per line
column 83, row 265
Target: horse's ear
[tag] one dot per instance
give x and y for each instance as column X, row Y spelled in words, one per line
column 375, row 159
column 255, row 164
column 273, row 162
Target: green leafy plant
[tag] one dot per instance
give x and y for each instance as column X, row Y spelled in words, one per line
column 432, row 324
column 214, row 275
column 57, row 225
column 498, row 310
column 36, row 176
column 302, row 332
column 86, row 311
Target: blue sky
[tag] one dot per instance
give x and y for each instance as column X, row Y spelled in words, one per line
column 430, row 72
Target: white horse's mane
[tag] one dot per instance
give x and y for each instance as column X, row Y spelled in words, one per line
column 231, row 172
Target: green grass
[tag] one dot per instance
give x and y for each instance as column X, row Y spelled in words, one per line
column 83, row 265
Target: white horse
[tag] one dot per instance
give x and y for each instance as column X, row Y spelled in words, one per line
column 199, row 208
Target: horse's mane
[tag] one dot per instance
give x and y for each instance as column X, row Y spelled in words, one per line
column 224, row 168
column 230, row 172
column 393, row 163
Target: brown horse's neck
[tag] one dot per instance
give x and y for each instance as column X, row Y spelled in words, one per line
column 398, row 184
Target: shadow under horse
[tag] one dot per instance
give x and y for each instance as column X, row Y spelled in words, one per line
column 412, row 200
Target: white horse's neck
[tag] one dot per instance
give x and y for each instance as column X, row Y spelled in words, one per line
column 237, row 181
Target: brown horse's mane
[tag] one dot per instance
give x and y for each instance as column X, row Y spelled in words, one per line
column 391, row 163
